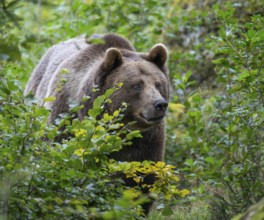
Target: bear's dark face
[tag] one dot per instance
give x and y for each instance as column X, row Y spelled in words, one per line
column 145, row 90
column 145, row 86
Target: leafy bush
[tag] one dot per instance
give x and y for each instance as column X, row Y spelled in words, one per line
column 220, row 136
column 74, row 178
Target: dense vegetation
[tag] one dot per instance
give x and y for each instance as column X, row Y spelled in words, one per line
column 214, row 125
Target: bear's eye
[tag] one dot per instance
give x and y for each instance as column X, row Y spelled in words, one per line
column 137, row 87
column 158, row 85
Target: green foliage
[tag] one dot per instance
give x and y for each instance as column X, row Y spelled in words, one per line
column 45, row 179
column 198, row 210
column 255, row 212
column 221, row 136
column 242, row 114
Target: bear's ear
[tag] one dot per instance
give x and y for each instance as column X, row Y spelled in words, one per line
column 113, row 58
column 158, row 54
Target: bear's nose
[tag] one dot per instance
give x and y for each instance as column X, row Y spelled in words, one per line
column 161, row 105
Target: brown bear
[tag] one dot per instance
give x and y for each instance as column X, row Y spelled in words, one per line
column 82, row 66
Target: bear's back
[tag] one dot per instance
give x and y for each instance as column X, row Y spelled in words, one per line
column 51, row 62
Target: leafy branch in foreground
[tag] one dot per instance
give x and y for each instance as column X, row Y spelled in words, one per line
column 74, row 178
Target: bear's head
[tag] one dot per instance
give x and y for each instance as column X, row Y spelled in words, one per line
column 145, row 86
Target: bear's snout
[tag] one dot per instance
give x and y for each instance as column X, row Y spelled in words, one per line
column 161, row 105
column 152, row 113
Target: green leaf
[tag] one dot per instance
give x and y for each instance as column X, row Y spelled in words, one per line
column 133, row 134
column 167, row 211
column 5, row 90
column 210, row 160
column 50, row 99
column 243, row 76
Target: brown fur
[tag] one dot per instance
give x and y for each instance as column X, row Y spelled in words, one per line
column 82, row 66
